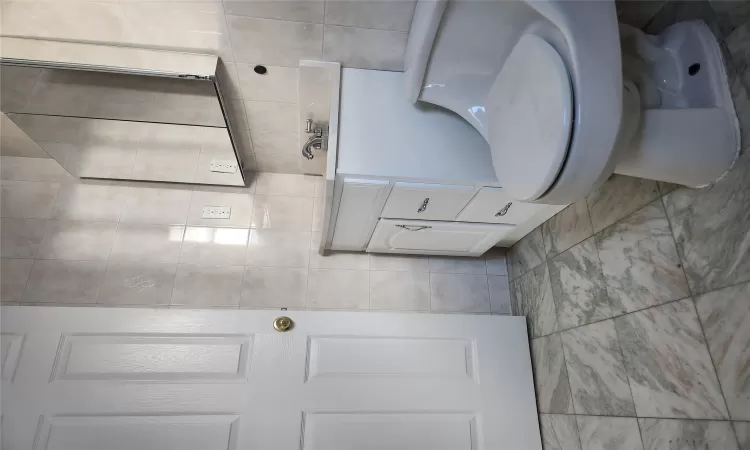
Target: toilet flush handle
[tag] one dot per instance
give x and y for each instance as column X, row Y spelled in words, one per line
column 424, row 205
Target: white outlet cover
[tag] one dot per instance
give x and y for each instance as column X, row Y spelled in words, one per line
column 223, row 166
column 216, row 212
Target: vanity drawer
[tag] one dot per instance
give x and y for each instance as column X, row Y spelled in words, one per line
column 426, row 201
column 435, row 238
column 492, row 205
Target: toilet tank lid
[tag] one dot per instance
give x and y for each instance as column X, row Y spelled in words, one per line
column 530, row 118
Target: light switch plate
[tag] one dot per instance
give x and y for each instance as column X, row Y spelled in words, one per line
column 216, row 212
column 223, row 166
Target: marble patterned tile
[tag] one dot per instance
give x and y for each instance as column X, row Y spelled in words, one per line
column 532, row 295
column 274, row 287
column 459, row 292
column 712, row 229
column 578, row 286
column 637, row 13
column 14, row 273
column 743, row 434
column 500, row 301
column 738, row 40
column 559, row 432
column 640, row 261
column 399, row 291
column 678, row 434
column 610, row 433
column 550, row 376
column 617, row 198
column 725, row 315
column 567, row 228
column 668, row 364
column 526, row 254
column 596, row 370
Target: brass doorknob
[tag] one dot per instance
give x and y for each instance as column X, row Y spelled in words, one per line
column 283, row 324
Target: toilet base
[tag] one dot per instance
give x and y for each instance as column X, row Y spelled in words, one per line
column 692, row 135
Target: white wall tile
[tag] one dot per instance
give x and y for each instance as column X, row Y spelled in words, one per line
column 274, row 42
column 100, row 201
column 278, row 84
column 282, row 213
column 284, row 184
column 21, row 238
column 214, row 246
column 147, row 243
column 394, row 15
column 27, row 200
column 240, row 202
column 459, row 293
column 33, row 169
column 137, row 283
column 400, row 291
column 207, row 286
column 67, row 282
column 278, row 248
column 14, row 273
column 338, row 289
column 336, row 259
column 415, row 263
column 274, row 287
column 294, row 10
column 75, row 240
column 156, row 203
column 267, row 116
column 365, row 49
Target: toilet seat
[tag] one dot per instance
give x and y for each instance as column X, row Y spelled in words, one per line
column 530, row 117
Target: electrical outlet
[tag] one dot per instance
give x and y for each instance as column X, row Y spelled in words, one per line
column 216, row 212
column 223, row 166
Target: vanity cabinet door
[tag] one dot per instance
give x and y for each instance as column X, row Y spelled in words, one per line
column 492, row 205
column 435, row 238
column 426, row 201
column 359, row 209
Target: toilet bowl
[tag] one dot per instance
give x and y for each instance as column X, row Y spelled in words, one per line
column 565, row 96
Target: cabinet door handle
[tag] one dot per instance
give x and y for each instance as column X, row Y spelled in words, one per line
column 424, row 205
column 504, row 211
column 413, row 227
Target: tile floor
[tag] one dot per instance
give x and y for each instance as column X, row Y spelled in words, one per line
column 141, row 244
column 638, row 303
column 638, row 297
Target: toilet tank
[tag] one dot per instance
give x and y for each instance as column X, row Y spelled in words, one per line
column 456, row 48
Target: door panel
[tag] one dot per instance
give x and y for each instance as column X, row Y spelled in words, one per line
column 94, row 378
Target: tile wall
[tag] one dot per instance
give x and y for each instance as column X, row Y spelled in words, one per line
column 276, row 33
column 69, row 242
column 638, row 297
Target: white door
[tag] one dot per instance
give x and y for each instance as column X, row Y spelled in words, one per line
column 127, row 379
column 424, row 237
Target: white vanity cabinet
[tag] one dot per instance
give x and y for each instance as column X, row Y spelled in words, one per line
column 424, row 237
column 424, row 186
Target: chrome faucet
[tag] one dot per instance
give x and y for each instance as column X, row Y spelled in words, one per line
column 316, row 141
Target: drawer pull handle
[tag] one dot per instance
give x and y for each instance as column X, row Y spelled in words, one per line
column 413, row 227
column 424, row 205
column 504, row 211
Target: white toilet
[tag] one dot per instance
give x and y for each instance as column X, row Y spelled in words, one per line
column 565, row 96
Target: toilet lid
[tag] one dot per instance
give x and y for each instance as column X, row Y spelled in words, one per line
column 530, row 116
